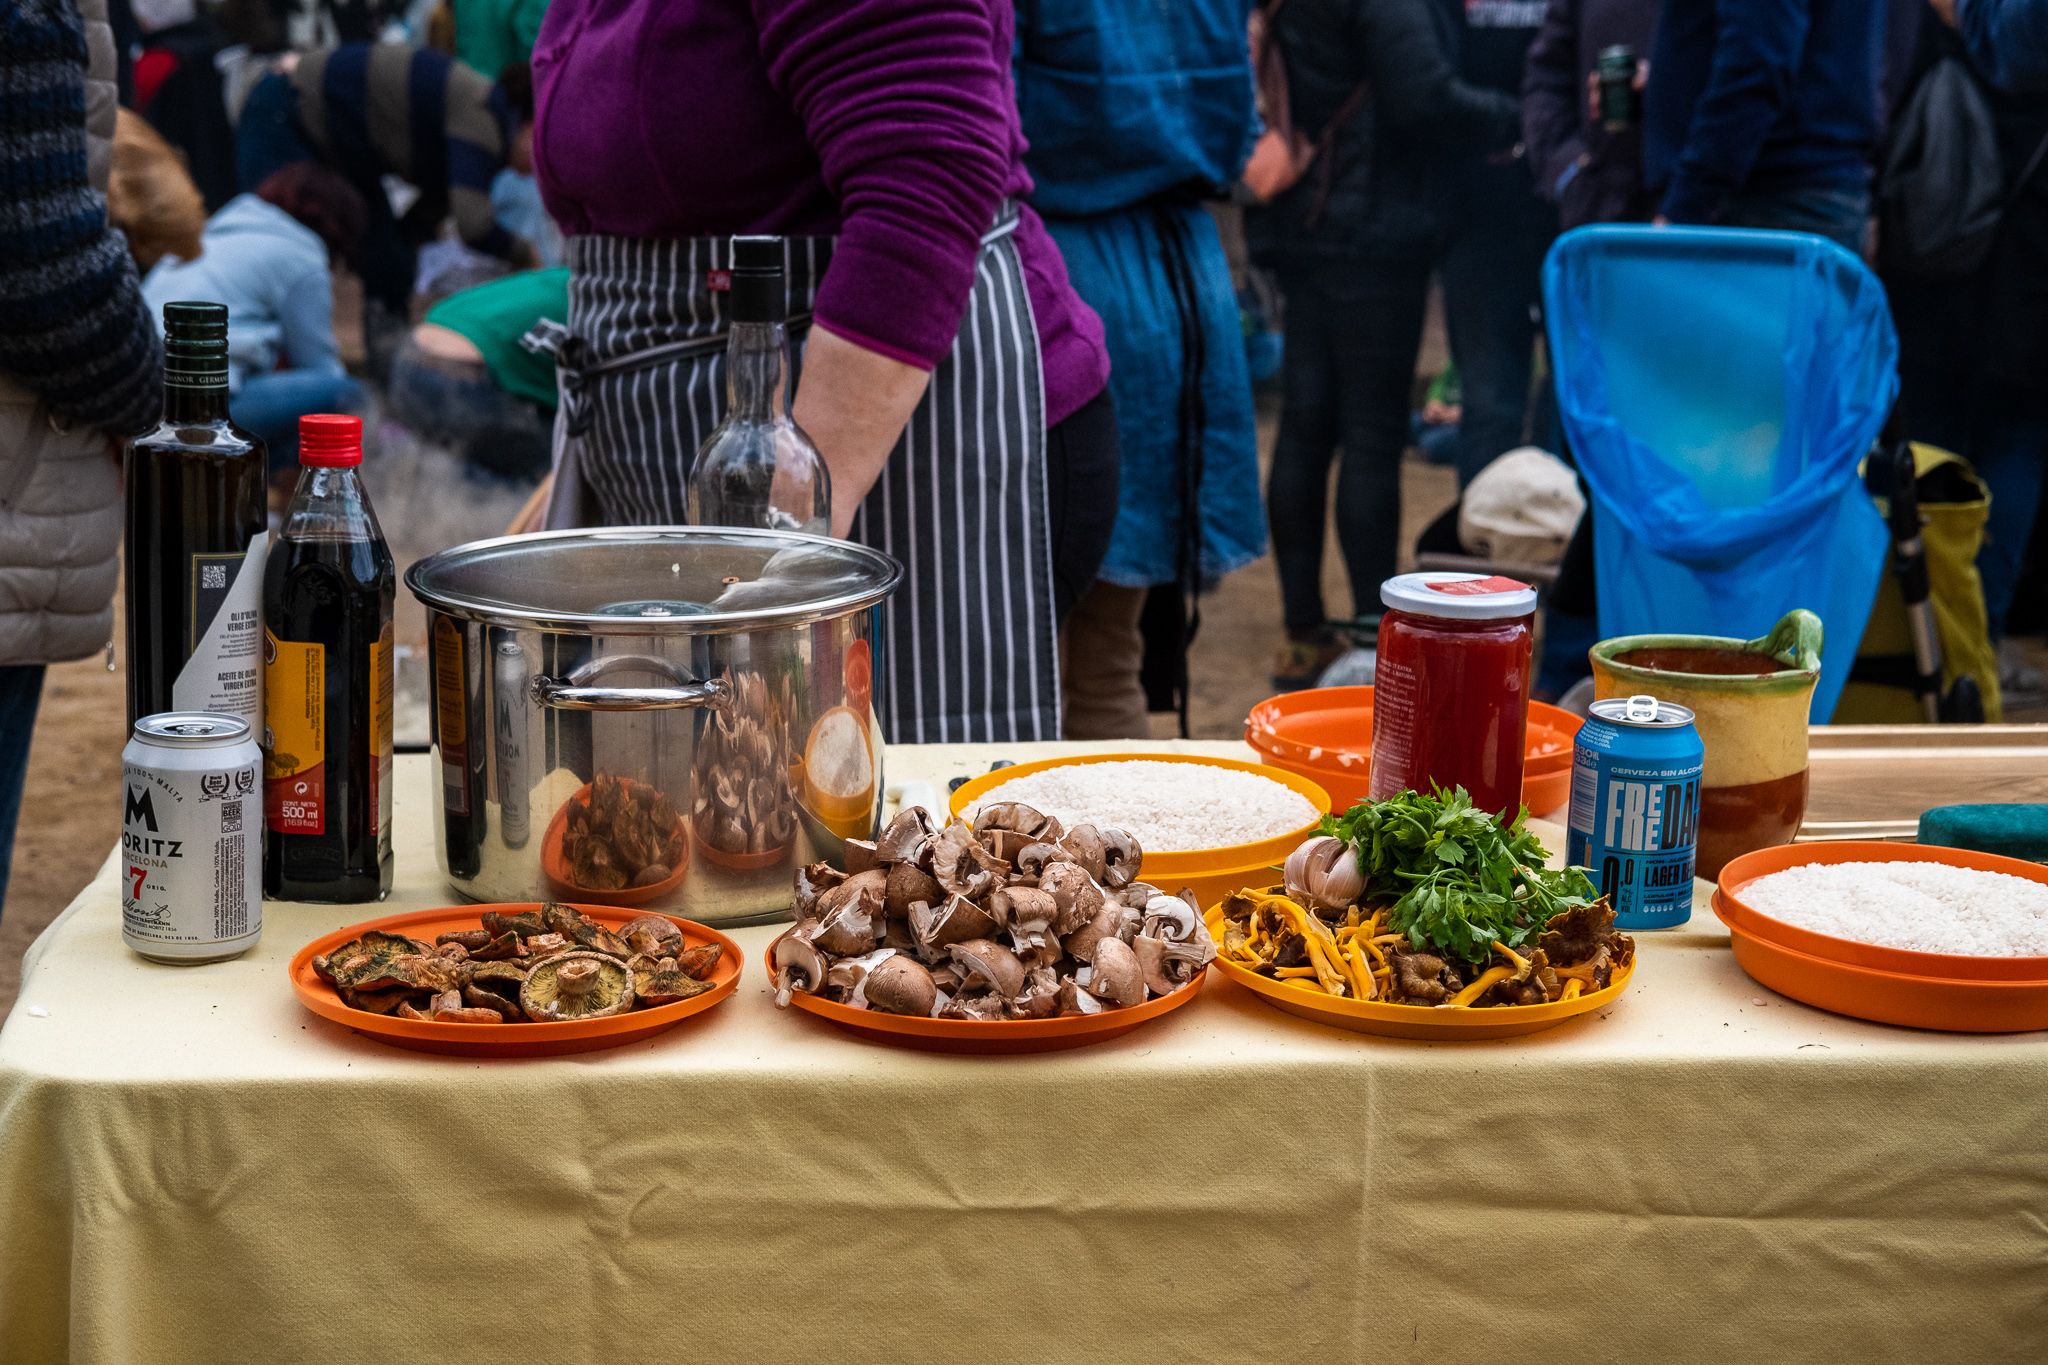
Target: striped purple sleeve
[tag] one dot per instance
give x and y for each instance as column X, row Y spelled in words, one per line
column 910, row 115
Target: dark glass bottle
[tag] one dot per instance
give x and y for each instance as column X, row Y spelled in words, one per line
column 197, row 535
column 757, row 468
column 327, row 604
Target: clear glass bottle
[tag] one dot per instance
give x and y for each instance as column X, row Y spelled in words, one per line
column 757, row 468
column 328, row 681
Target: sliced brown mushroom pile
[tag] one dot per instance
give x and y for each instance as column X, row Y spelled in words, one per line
column 624, row 834
column 545, row 965
column 740, row 772
column 1013, row 917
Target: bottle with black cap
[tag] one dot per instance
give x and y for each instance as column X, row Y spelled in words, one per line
column 197, row 537
column 757, row 468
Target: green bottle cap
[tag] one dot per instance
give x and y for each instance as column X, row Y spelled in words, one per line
column 195, row 345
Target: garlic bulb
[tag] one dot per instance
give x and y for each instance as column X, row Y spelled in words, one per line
column 1324, row 873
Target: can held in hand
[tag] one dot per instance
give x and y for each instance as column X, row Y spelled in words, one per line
column 1635, row 812
column 1621, row 104
column 191, row 838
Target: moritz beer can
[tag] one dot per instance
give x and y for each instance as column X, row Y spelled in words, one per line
column 1621, row 104
column 191, row 838
column 1635, row 811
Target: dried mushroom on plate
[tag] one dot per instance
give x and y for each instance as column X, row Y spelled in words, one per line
column 544, row 966
column 1013, row 917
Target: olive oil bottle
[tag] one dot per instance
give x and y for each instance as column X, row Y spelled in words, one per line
column 197, row 535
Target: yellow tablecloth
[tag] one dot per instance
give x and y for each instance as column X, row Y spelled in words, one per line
column 193, row 1168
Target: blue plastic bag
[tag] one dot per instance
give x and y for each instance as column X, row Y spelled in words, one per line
column 1719, row 388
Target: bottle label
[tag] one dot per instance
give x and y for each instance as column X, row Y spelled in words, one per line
column 451, row 716
column 381, row 746
column 295, row 737
column 225, row 671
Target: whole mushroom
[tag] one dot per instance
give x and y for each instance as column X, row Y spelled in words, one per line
column 901, row 985
column 989, row 962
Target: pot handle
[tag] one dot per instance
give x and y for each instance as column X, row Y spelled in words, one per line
column 583, row 689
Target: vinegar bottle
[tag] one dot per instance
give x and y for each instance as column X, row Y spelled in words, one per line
column 757, row 468
column 327, row 740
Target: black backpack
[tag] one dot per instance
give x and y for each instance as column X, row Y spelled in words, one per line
column 1941, row 189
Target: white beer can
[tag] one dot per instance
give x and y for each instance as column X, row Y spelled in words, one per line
column 192, row 838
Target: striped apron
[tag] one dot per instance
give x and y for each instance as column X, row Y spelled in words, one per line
column 970, row 643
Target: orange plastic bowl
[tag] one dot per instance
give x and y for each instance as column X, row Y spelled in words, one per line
column 1211, row 873
column 1739, row 873
column 1325, row 734
column 1948, row 1005
column 989, row 1037
column 506, row 1040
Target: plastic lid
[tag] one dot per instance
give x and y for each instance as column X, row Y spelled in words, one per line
column 330, row 440
column 1459, row 596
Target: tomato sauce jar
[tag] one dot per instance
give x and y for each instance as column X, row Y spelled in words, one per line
column 1450, row 702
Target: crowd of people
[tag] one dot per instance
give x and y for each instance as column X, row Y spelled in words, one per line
column 1023, row 242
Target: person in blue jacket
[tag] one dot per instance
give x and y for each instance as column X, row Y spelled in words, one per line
column 2008, row 39
column 1764, row 113
column 1136, row 113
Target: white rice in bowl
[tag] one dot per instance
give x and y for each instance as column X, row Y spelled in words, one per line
column 1920, row 907
column 1167, row 807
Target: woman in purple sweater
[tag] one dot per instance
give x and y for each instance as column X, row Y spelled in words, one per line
column 951, row 378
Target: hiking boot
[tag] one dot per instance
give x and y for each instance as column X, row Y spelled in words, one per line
column 1300, row 663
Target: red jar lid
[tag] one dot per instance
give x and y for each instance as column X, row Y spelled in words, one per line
column 1459, row 596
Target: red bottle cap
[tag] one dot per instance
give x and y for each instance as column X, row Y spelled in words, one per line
column 330, row 440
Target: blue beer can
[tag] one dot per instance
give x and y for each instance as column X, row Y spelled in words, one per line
column 1635, row 812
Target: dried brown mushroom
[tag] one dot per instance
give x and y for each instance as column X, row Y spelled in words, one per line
column 578, row 928
column 654, row 935
column 662, row 980
column 578, row 985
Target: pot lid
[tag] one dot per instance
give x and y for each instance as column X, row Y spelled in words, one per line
column 655, row 579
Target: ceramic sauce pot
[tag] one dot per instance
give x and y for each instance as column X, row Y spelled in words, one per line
column 1751, row 699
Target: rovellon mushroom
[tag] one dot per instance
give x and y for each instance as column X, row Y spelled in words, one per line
column 653, row 936
column 578, row 985
column 662, row 980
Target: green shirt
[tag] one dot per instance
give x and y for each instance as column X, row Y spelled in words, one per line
column 493, row 316
column 490, row 35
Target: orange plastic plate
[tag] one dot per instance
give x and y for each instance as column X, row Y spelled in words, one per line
column 1415, row 1021
column 506, row 1040
column 555, row 867
column 1739, row 873
column 1947, row 1005
column 988, row 1037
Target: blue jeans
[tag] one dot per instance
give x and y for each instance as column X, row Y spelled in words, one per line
column 1492, row 279
column 272, row 404
column 1840, row 213
column 21, row 687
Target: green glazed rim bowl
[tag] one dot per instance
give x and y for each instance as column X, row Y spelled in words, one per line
column 1794, row 644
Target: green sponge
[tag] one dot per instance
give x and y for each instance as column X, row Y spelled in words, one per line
column 2015, row 831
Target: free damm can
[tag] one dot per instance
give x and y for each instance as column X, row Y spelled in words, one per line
column 1635, row 812
column 191, row 838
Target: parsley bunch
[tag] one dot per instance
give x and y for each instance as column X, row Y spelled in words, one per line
column 1460, row 880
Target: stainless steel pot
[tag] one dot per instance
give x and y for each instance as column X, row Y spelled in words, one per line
column 674, row 718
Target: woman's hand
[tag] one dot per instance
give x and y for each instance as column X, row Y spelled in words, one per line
column 853, row 403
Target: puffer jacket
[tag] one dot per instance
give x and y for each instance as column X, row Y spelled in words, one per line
column 74, row 369
column 1383, row 193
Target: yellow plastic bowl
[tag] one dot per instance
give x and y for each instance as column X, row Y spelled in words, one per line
column 1212, row 873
